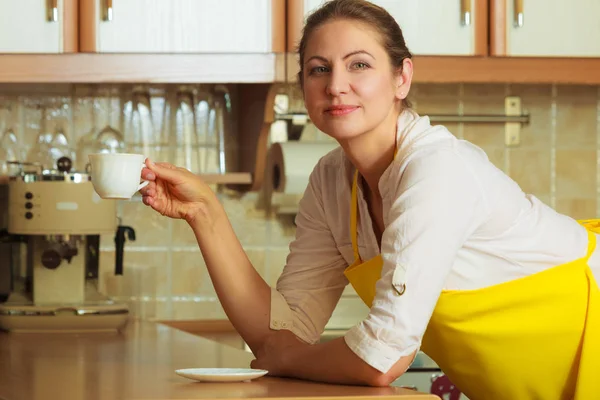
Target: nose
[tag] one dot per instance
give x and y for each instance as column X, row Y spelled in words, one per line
column 338, row 82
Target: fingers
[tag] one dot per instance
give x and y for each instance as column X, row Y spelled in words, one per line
column 165, row 171
column 148, row 200
column 156, row 203
column 166, row 165
column 148, row 175
column 150, row 195
column 260, row 364
column 149, row 190
column 257, row 364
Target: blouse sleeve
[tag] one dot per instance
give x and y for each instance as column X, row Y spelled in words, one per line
column 313, row 278
column 436, row 204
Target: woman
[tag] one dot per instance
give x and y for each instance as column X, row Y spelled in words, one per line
column 448, row 252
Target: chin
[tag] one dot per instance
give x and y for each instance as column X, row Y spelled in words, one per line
column 340, row 130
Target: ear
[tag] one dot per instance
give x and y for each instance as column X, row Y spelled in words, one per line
column 403, row 79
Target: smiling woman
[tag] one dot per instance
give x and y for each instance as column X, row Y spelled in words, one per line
column 373, row 18
column 447, row 251
column 346, row 72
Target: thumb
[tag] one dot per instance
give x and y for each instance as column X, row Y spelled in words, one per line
column 165, row 171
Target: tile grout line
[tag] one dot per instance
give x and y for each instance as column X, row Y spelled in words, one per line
column 461, row 110
column 72, row 129
column 21, row 123
column 194, row 298
column 169, row 290
column 507, row 149
column 553, row 139
column 270, row 220
column 190, row 248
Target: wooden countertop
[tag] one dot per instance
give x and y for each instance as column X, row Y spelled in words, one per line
column 139, row 363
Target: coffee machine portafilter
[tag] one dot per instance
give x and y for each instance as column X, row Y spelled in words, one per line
column 56, row 218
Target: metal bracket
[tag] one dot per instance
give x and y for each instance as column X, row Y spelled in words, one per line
column 512, row 130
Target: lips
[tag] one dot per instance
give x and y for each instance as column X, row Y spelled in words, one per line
column 340, row 110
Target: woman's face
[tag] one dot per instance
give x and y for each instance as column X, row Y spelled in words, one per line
column 349, row 85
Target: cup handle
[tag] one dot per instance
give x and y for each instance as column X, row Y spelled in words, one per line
column 144, row 183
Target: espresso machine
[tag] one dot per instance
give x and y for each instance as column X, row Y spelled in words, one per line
column 50, row 249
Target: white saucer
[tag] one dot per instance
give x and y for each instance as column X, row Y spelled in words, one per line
column 221, row 374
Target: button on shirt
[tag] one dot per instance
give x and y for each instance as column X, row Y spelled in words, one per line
column 452, row 221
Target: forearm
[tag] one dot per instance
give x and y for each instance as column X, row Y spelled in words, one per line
column 244, row 295
column 335, row 362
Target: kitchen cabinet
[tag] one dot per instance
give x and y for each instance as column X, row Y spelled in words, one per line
column 38, row 26
column 430, row 27
column 182, row 26
column 211, row 41
column 545, row 28
column 433, row 27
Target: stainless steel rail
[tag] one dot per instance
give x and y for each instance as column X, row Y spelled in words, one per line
column 301, row 119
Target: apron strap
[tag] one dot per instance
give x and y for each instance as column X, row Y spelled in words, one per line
column 592, row 226
column 354, row 216
column 591, row 245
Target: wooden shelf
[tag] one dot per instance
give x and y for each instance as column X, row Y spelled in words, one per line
column 142, row 68
column 507, row 70
column 230, row 178
column 277, row 67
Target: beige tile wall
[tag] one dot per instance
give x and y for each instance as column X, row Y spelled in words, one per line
column 557, row 160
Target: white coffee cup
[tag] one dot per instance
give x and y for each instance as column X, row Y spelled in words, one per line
column 116, row 176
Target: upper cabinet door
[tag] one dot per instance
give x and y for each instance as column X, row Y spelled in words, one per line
column 546, row 28
column 430, row 27
column 182, row 26
column 38, row 26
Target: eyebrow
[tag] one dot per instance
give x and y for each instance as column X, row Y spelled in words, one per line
column 345, row 57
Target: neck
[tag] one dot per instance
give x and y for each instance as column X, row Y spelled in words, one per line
column 372, row 152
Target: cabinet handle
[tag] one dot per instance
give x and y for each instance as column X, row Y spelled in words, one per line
column 108, row 10
column 519, row 15
column 465, row 12
column 53, row 10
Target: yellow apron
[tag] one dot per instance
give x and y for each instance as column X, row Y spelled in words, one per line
column 536, row 337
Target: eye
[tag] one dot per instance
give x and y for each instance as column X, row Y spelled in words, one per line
column 360, row 65
column 318, row 70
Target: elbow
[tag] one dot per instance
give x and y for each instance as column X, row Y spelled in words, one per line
column 382, row 380
column 366, row 375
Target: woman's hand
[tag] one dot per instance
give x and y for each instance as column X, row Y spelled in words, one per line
column 277, row 353
column 174, row 192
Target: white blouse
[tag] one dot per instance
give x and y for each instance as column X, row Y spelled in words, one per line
column 452, row 221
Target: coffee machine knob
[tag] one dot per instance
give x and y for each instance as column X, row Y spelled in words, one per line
column 64, row 164
column 53, row 256
column 51, row 259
